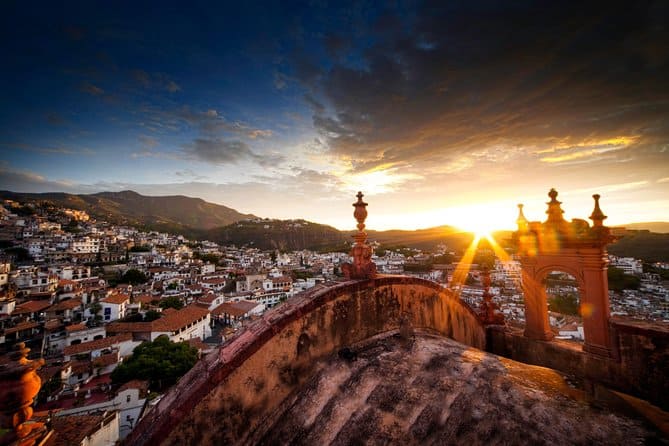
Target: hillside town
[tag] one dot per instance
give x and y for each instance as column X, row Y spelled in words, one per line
column 82, row 294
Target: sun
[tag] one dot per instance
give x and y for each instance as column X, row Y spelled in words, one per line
column 482, row 220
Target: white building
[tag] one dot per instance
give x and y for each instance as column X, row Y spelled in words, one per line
column 114, row 307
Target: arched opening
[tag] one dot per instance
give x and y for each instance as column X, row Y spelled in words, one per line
column 564, row 300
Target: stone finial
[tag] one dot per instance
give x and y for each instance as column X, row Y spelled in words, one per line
column 521, row 221
column 554, row 210
column 362, row 267
column 19, row 384
column 488, row 308
column 360, row 215
column 597, row 215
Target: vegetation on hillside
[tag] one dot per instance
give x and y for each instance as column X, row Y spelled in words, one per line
column 284, row 235
column 644, row 245
column 619, row 281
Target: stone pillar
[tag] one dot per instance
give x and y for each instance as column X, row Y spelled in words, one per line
column 537, row 325
column 19, row 384
column 362, row 266
column 595, row 309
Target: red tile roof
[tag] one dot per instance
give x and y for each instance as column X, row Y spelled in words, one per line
column 142, row 385
column 31, row 306
column 69, row 304
column 117, row 299
column 72, row 429
column 172, row 320
column 235, row 309
column 21, row 326
column 76, row 327
column 96, row 344
column 179, row 319
column 128, row 327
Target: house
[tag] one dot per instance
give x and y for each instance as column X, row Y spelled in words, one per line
column 114, row 307
column 232, row 312
column 97, row 357
column 55, row 336
column 65, row 310
column 32, row 309
column 85, row 430
column 179, row 325
column 210, row 301
column 78, row 333
column 129, row 401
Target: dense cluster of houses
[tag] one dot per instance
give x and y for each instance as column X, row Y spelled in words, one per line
column 62, row 293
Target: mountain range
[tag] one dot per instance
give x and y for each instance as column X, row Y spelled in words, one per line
column 175, row 213
column 198, row 219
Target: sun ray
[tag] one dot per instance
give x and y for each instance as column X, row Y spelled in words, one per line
column 461, row 271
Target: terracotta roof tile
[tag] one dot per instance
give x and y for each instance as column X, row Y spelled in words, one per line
column 76, row 327
column 235, row 309
column 96, row 344
column 69, row 304
column 31, row 306
column 72, row 429
column 180, row 318
column 116, row 299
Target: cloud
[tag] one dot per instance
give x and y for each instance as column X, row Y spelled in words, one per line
column 158, row 81
column 221, row 151
column 148, row 141
column 457, row 78
column 189, row 174
column 218, row 151
column 91, row 89
column 27, row 181
column 280, row 80
column 212, row 123
column 55, row 119
column 59, row 150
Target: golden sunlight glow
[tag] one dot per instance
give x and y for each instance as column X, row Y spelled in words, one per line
column 376, row 181
column 482, row 219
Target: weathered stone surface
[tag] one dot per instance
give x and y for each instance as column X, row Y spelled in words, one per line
column 437, row 391
column 641, row 365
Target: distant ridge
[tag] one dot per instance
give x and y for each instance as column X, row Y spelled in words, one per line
column 176, row 213
column 660, row 227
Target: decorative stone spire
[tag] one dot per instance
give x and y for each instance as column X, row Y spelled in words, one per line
column 488, row 312
column 554, row 210
column 19, row 383
column 360, row 215
column 362, row 267
column 521, row 221
column 597, row 215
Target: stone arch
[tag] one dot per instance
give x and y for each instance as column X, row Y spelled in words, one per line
column 576, row 249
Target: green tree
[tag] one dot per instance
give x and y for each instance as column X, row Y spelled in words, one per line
column 151, row 315
column 134, row 276
column 140, row 248
column 211, row 258
column 171, row 302
column 161, row 362
column 95, row 308
column 564, row 304
column 619, row 281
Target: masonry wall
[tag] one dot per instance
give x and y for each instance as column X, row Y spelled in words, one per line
column 229, row 393
column 640, row 366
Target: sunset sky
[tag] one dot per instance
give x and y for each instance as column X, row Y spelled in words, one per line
column 440, row 113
